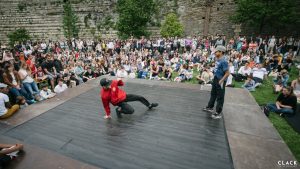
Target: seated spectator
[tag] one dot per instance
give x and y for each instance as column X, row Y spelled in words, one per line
column 258, row 74
column 78, row 71
column 189, row 73
column 229, row 82
column 206, row 76
column 49, row 70
column 286, row 103
column 280, row 81
column 6, row 109
column 46, row 93
column 40, row 75
column 182, row 74
column 243, row 73
column 249, row 84
column 296, row 87
column 60, row 87
column 122, row 73
column 28, row 82
column 8, row 152
column 167, row 72
column 12, row 79
column 88, row 75
column 154, row 71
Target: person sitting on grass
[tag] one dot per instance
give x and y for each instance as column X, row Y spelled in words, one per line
column 181, row 74
column 243, row 73
column 280, row 81
column 46, row 93
column 296, row 87
column 8, row 152
column 249, row 84
column 6, row 109
column 286, row 103
column 258, row 74
column 206, row 76
column 167, row 72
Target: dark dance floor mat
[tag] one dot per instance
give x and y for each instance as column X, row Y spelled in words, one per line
column 177, row 134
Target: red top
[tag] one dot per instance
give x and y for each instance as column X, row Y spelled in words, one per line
column 113, row 95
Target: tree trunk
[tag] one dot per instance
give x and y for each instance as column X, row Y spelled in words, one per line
column 262, row 24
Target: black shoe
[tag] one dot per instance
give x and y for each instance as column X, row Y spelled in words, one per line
column 153, row 105
column 266, row 111
column 119, row 115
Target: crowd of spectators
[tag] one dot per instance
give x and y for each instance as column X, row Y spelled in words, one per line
column 35, row 71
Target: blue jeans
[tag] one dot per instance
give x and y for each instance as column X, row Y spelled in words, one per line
column 31, row 88
column 273, row 108
column 20, row 92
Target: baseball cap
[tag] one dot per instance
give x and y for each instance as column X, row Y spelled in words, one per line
column 2, row 85
column 220, row 48
column 105, row 82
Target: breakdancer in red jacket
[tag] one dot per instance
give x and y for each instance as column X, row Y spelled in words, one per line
column 111, row 93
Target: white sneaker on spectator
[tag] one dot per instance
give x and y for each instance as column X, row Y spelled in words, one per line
column 257, row 84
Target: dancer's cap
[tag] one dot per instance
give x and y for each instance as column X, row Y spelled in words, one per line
column 105, row 82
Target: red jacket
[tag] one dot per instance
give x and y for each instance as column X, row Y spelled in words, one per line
column 113, row 95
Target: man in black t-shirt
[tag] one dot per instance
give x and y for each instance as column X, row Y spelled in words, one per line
column 88, row 75
column 49, row 69
column 286, row 103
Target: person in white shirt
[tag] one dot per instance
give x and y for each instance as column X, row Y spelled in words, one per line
column 243, row 73
column 6, row 109
column 230, row 77
column 46, row 93
column 259, row 73
column 121, row 73
column 60, row 87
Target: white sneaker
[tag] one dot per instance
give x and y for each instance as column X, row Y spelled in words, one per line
column 107, row 117
column 216, row 116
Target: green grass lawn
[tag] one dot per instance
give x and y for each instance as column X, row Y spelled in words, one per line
column 263, row 95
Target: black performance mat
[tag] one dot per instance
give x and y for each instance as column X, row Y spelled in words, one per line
column 177, row 134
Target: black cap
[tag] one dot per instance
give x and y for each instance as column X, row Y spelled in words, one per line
column 105, row 82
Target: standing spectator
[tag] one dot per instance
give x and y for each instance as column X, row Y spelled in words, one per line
column 219, row 81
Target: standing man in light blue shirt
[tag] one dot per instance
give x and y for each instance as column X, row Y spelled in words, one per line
column 221, row 72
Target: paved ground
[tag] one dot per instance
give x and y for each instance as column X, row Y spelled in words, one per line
column 70, row 131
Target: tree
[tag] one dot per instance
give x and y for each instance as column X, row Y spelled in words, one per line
column 261, row 13
column 19, row 35
column 70, row 21
column 171, row 27
column 133, row 17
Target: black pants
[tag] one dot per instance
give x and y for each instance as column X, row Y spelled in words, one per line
column 126, row 108
column 217, row 93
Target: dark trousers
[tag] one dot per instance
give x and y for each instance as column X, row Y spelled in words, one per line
column 126, row 108
column 217, row 93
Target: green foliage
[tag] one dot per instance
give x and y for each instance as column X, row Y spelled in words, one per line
column 171, row 27
column 22, row 6
column 70, row 21
column 261, row 13
column 19, row 35
column 134, row 15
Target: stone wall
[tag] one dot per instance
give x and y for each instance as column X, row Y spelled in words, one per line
column 43, row 18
